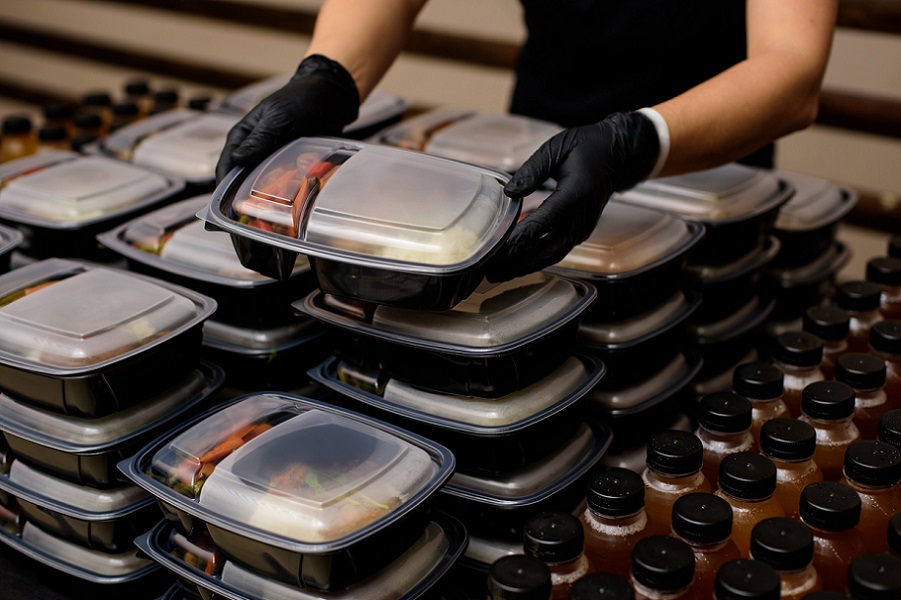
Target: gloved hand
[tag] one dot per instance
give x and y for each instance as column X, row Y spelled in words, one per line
column 321, row 98
column 589, row 164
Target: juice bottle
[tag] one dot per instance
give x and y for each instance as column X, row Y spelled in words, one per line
column 662, row 568
column 724, row 423
column 62, row 114
column 762, row 384
column 17, row 138
column 602, row 586
column 614, row 519
column 832, row 510
column 873, row 576
column 885, row 342
column 861, row 299
column 873, row 470
column 704, row 522
column 828, row 406
column 673, row 469
column 885, row 271
column 790, row 444
column 165, row 99
column 201, row 102
column 893, row 535
column 798, row 354
column 89, row 124
column 124, row 113
column 889, row 430
column 99, row 103
column 748, row 483
column 787, row 546
column 746, row 579
column 519, row 577
column 832, row 325
column 137, row 92
column 52, row 137
column 865, row 373
column 557, row 539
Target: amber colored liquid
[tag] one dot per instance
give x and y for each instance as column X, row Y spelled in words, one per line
column 609, row 542
column 791, row 479
column 795, row 381
column 717, row 447
column 890, row 306
column 708, row 560
column 859, row 336
column 764, row 410
column 868, row 408
column 564, row 575
column 831, row 352
column 15, row 146
column 878, row 505
column 832, row 552
column 747, row 514
column 892, row 385
column 661, row 491
column 833, row 439
column 797, row 584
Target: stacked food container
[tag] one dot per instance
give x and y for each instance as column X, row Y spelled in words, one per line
column 10, row 239
column 94, row 363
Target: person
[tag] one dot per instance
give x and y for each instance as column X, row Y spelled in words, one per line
column 643, row 88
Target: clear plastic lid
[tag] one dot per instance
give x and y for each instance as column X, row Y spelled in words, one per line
column 244, row 340
column 68, row 190
column 817, row 203
column 172, row 238
column 60, row 317
column 729, row 193
column 370, row 205
column 630, row 239
column 649, row 391
column 122, row 142
column 293, row 472
column 821, row 269
column 496, row 317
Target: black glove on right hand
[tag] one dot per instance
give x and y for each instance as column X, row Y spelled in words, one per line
column 321, row 98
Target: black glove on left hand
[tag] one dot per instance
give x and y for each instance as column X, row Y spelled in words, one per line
column 589, row 164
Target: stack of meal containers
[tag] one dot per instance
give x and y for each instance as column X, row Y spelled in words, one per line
column 275, row 495
column 94, row 363
column 10, row 239
column 738, row 206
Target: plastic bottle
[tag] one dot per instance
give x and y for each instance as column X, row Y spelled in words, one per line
column 724, row 423
column 861, row 299
column 89, row 124
column 748, row 483
column 124, row 113
column 62, row 114
column 889, row 430
column 17, row 138
column 99, row 103
column 557, row 539
column 829, row 406
column 874, row 577
column 787, row 546
column 53, row 137
column 873, row 470
column 674, row 460
column 762, row 384
column 885, row 342
column 832, row 325
column 747, row 579
column 790, row 444
column 519, row 577
column 798, row 354
column 614, row 519
column 865, row 373
column 704, row 522
column 137, row 91
column 199, row 102
column 885, row 271
column 832, row 510
column 662, row 568
column 165, row 99
column 602, row 586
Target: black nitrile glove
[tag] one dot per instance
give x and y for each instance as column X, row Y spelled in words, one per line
column 321, row 98
column 589, row 164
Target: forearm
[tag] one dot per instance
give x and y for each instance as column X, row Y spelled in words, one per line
column 365, row 36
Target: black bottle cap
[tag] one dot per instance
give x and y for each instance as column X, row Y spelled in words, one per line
column 858, row 295
column 758, row 381
column 137, row 87
column 97, row 99
column 783, row 543
column 126, row 109
column 601, row 586
column 16, row 124
column 519, row 577
column 199, row 102
column 78, row 142
column 675, row 453
column 88, row 121
column 875, row 576
column 894, row 246
column 827, row 322
column 747, row 476
column 553, row 537
column 615, row 492
column 861, row 371
column 663, row 563
column 788, row 439
column 829, row 505
column 746, row 579
column 890, row 428
column 885, row 336
column 798, row 348
column 58, row 110
column 885, row 270
column 52, row 133
column 893, row 535
column 827, row 400
column 166, row 96
column 873, row 463
column 724, row 412
column 702, row 518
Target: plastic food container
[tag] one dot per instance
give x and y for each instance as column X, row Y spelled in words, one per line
column 295, row 489
column 64, row 199
column 796, row 289
column 750, row 315
column 171, row 243
column 500, row 339
column 807, row 223
column 738, row 206
column 10, row 239
column 498, row 141
column 490, row 435
column 86, row 451
column 411, row 575
column 378, row 224
column 635, row 257
column 88, row 341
